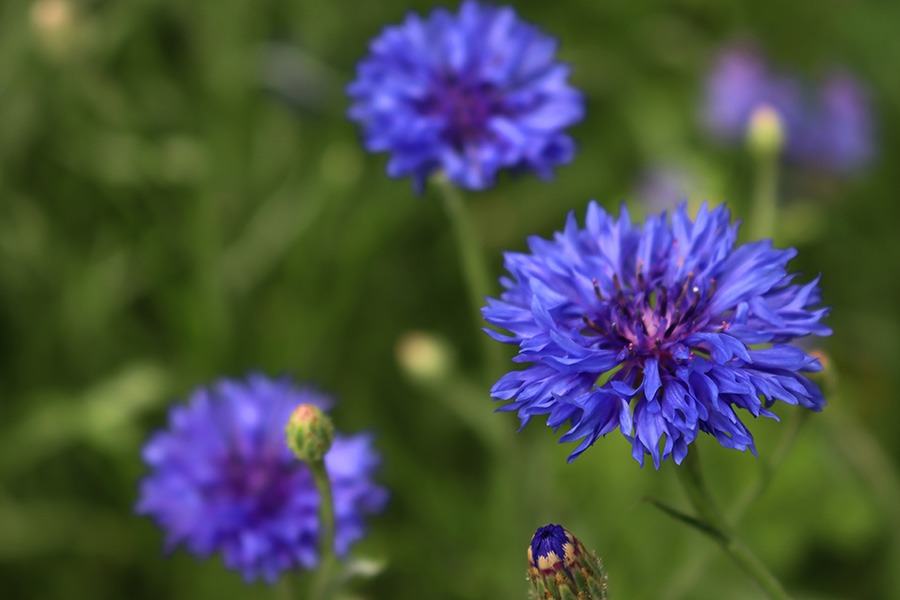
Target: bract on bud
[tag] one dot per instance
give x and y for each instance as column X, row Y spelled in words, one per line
column 309, row 433
column 559, row 567
column 765, row 131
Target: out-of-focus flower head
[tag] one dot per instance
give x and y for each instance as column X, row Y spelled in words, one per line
column 222, row 479
column 466, row 94
column 665, row 185
column 827, row 127
column 845, row 127
column 662, row 330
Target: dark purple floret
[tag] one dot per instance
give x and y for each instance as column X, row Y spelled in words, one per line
column 549, row 539
column 466, row 94
column 222, row 479
column 660, row 330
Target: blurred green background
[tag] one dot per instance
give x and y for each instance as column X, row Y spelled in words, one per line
column 181, row 198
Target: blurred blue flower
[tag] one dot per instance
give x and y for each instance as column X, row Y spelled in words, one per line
column 661, row 330
column 845, row 128
column 468, row 94
column 664, row 185
column 223, row 479
column 827, row 128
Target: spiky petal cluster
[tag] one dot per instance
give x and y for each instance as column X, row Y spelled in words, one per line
column 222, row 479
column 468, row 94
column 661, row 330
column 827, row 127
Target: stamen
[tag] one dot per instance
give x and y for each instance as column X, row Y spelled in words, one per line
column 684, row 287
column 587, row 321
column 640, row 319
column 597, row 291
column 676, row 318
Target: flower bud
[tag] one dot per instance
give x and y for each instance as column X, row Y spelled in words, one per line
column 54, row 22
column 559, row 567
column 765, row 131
column 424, row 357
column 309, row 433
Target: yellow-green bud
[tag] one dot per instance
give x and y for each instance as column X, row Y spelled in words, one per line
column 765, row 131
column 309, row 433
column 424, row 357
column 559, row 567
column 54, row 22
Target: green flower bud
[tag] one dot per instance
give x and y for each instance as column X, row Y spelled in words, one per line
column 424, row 357
column 309, row 433
column 765, row 132
column 559, row 567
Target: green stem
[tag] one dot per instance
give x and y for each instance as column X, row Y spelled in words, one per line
column 506, row 481
column 691, row 478
column 283, row 590
column 322, row 584
column 475, row 270
column 763, row 216
column 694, row 570
column 770, row 466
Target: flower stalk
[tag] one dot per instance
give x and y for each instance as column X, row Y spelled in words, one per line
column 322, row 584
column 472, row 261
column 765, row 139
column 691, row 478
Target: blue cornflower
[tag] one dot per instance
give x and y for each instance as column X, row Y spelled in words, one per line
column 661, row 330
column 468, row 94
column 828, row 127
column 223, row 479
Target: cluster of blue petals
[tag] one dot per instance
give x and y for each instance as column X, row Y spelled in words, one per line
column 547, row 540
column 467, row 94
column 828, row 128
column 662, row 330
column 222, row 479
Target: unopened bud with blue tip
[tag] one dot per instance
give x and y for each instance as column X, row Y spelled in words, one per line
column 559, row 567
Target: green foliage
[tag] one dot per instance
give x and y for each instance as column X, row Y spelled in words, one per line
column 181, row 197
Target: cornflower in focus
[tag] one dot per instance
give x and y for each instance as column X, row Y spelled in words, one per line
column 827, row 127
column 467, row 94
column 222, row 479
column 661, row 330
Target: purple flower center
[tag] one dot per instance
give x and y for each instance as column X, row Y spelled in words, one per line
column 650, row 319
column 465, row 107
column 263, row 485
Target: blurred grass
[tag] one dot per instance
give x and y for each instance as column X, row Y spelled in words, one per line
column 181, row 197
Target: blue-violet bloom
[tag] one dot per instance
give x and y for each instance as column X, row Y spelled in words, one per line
column 468, row 94
column 660, row 330
column 222, row 479
column 827, row 127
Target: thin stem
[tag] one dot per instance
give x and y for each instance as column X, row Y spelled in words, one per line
column 691, row 478
column 695, row 569
column 763, row 215
column 475, row 270
column 321, row 587
column 506, row 481
column 770, row 466
column 283, row 590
